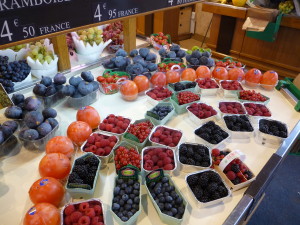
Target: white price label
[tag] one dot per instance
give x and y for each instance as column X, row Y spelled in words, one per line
column 231, row 156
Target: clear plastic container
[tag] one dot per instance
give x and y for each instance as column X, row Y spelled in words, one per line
column 255, row 119
column 38, row 144
column 180, row 109
column 157, row 122
column 239, row 134
column 53, row 100
column 82, row 192
column 207, row 91
column 251, row 84
column 83, row 101
column 192, row 168
column 164, row 217
column 115, row 134
column 197, row 121
column 104, row 159
column 230, row 93
column 153, row 101
column 222, row 113
column 210, row 203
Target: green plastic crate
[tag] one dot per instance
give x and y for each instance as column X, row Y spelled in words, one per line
column 288, row 83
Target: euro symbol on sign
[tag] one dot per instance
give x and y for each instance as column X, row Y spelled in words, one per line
column 16, row 22
column 104, row 5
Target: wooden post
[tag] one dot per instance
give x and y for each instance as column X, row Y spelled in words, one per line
column 61, row 49
column 129, row 30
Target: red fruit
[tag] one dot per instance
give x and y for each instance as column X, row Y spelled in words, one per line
column 159, row 79
column 98, row 209
column 75, row 216
column 160, row 163
column 189, row 74
column 253, row 76
column 231, row 175
column 84, row 220
column 168, row 167
column 69, row 210
column 187, row 97
column 170, row 153
column 220, row 73
column 68, row 220
column 167, row 160
column 162, row 155
column 215, row 152
column 89, row 115
column 84, row 206
column 90, row 212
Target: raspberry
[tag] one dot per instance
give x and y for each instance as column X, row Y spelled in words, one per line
column 149, row 162
column 84, row 220
column 147, row 157
column 84, row 206
column 75, row 216
column 160, row 163
column 231, row 175
column 168, row 167
column 95, row 220
column 162, row 155
column 154, row 158
column 69, row 210
column 68, row 220
column 90, row 212
column 167, row 160
column 215, row 152
column 91, row 139
column 170, row 153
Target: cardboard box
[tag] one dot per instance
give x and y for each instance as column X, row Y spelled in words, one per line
column 263, row 13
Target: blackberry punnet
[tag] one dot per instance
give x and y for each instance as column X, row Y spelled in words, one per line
column 191, row 155
column 192, row 180
column 211, row 133
column 238, row 123
column 273, row 127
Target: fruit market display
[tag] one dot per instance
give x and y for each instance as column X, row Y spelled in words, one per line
column 143, row 53
column 126, row 198
column 89, row 115
column 175, row 53
column 91, row 36
column 202, row 110
column 119, row 62
column 207, row 83
column 189, row 74
column 186, row 97
column 236, row 74
column 11, row 72
column 220, row 73
column 158, row 158
column 166, row 136
column 125, row 156
column 79, row 132
column 141, row 130
column 199, row 57
column 212, row 133
column 109, row 81
column 45, row 212
column 231, row 108
column 60, row 144
column 38, row 51
column 7, row 129
column 167, row 198
column 48, row 87
column 207, row 186
column 194, row 155
column 203, row 72
column 86, row 212
column 114, row 31
column 114, row 124
column 273, row 127
column 238, row 123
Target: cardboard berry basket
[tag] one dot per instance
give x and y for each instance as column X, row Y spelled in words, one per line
column 158, row 144
column 153, row 117
column 93, row 200
column 130, row 138
column 115, row 134
column 146, row 172
column 249, row 101
column 236, row 154
column 166, row 219
column 126, row 145
column 230, row 93
column 104, row 159
column 238, row 134
column 153, row 101
column 239, row 103
column 132, row 220
column 198, row 139
column 186, row 168
column 83, row 101
column 255, row 119
column 38, row 144
column 197, row 121
column 210, row 203
column 79, row 190
column 180, row 109
column 207, row 91
column 270, row 139
column 171, row 87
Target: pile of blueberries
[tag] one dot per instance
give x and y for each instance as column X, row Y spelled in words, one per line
column 126, row 198
column 162, row 111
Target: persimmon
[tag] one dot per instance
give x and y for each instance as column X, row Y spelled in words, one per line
column 172, row 76
column 269, row 79
column 78, row 132
column 60, row 144
column 159, row 79
column 203, row 72
column 142, row 82
column 236, row 74
column 220, row 73
column 189, row 74
column 129, row 90
column 42, row 213
column 252, row 77
column 89, row 115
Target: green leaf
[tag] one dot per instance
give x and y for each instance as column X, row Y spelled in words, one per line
column 131, row 137
column 152, row 114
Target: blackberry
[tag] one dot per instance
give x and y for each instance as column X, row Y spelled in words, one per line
column 190, row 85
column 203, row 180
column 190, row 162
column 282, row 134
column 198, row 158
column 212, row 187
column 90, row 179
column 81, row 170
column 201, row 151
column 189, row 152
column 183, row 149
column 93, row 169
column 205, row 136
column 204, row 199
column 183, row 159
column 92, row 161
column 79, row 161
column 198, row 192
column 197, row 164
column 72, row 177
column 224, row 134
column 210, row 124
column 206, row 158
column 281, row 127
column 236, row 181
column 78, row 181
column 223, row 191
column 235, row 168
column 250, row 175
column 192, row 180
column 234, row 128
column 204, row 164
column 215, row 177
column 218, row 138
column 179, row 87
column 215, row 195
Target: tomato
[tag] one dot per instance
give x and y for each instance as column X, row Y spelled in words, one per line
column 89, row 115
column 142, row 82
column 172, row 76
column 159, row 79
column 203, row 72
column 269, row 79
column 78, row 132
column 100, row 79
column 129, row 90
column 110, row 80
column 47, row 189
column 60, row 144
column 189, row 74
column 253, row 77
column 42, row 214
column 236, row 74
column 55, row 165
column 220, row 73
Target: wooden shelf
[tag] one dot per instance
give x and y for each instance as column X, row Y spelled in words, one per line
column 224, row 9
column 290, row 21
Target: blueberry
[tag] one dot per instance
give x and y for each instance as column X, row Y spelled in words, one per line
column 162, row 199
column 124, row 211
column 120, row 214
column 117, row 190
column 116, row 199
column 169, row 213
column 2, row 139
column 32, row 103
column 133, row 53
column 44, row 129
column 128, row 190
column 137, row 193
column 47, row 81
column 135, row 206
column 85, row 88
column 60, row 79
column 124, row 218
column 168, row 206
column 174, row 211
column 156, row 200
column 166, row 185
column 128, row 206
column 53, row 122
column 18, row 98
column 179, row 201
column 50, row 90
column 87, row 76
column 169, row 198
column 125, row 197
column 129, row 214
column 123, row 186
column 161, row 206
column 33, row 119
column 180, row 209
column 121, row 202
column 160, row 195
column 29, row 134
column 136, row 186
column 115, row 206
column 130, row 182
column 49, row 113
column 122, row 192
column 144, row 52
column 74, row 81
column 166, row 194
column 132, row 196
column 137, row 200
column 13, row 112
column 133, row 211
column 129, row 201
column 157, row 190
column 120, row 181
column 39, row 89
column 121, row 52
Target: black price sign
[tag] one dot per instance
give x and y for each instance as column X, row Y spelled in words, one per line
column 25, row 19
